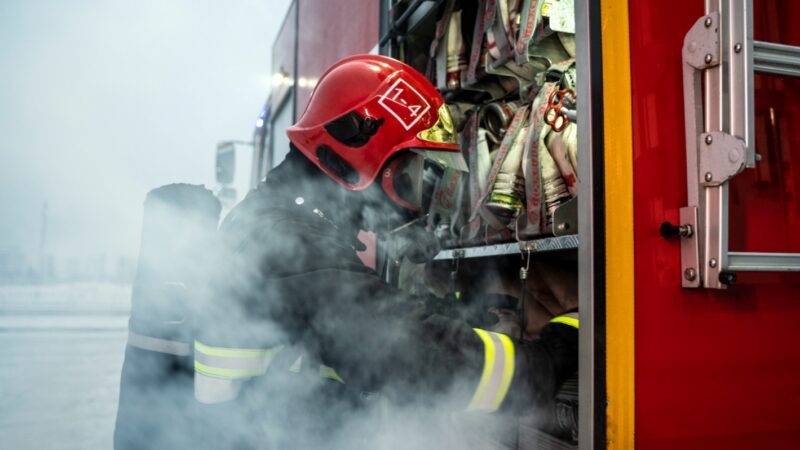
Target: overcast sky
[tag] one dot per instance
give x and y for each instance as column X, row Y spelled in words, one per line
column 102, row 100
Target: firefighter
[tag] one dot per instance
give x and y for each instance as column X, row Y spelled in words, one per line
column 298, row 333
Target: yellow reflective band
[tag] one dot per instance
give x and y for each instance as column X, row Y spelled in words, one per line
column 330, row 373
column 230, row 352
column 220, row 372
column 297, row 365
column 508, row 369
column 498, row 371
column 488, row 367
column 571, row 321
column 232, row 363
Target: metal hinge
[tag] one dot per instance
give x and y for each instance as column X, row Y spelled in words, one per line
column 721, row 157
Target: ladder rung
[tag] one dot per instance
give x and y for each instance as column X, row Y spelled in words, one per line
column 763, row 262
column 777, row 59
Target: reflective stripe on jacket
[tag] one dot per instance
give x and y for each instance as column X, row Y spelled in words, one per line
column 498, row 370
column 232, row 363
column 159, row 345
column 570, row 319
column 219, row 371
column 498, row 366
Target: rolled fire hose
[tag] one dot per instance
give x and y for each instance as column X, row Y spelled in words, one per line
column 571, row 140
column 484, row 163
column 456, row 54
column 555, row 191
column 507, row 197
column 558, row 150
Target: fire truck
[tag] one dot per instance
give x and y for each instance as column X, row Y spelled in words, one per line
column 683, row 228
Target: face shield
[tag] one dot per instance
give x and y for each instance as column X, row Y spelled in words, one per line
column 410, row 179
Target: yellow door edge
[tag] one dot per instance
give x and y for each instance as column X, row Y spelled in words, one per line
column 618, row 132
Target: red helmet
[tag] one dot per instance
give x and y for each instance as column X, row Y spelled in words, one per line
column 367, row 108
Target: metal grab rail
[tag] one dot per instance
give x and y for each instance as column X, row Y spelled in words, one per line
column 720, row 59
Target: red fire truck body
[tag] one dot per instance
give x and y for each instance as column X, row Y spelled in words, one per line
column 713, row 368
column 663, row 365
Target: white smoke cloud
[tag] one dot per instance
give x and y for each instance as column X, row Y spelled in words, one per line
column 248, row 294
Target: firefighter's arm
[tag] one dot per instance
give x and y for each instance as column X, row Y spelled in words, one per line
column 547, row 355
column 543, row 365
column 378, row 337
column 517, row 375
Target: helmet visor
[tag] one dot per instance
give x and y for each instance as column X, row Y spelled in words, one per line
column 410, row 179
column 443, row 131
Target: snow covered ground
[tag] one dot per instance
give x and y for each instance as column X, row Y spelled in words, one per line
column 61, row 351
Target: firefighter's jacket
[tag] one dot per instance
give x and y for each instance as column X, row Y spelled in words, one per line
column 299, row 328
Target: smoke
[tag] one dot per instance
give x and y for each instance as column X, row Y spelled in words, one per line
column 282, row 273
column 103, row 100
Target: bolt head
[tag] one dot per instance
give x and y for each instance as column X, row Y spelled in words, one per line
column 712, row 263
column 758, row 156
column 734, row 156
column 727, row 277
column 737, row 48
column 709, row 176
column 708, row 58
column 709, row 139
column 707, row 23
column 690, row 274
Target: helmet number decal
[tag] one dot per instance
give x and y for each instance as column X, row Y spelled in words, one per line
column 404, row 103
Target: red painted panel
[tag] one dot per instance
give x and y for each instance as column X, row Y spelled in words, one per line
column 776, row 21
column 765, row 201
column 329, row 31
column 714, row 369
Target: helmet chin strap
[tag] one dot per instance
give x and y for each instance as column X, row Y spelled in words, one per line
column 415, row 242
column 408, row 224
